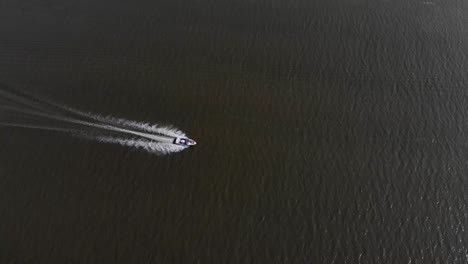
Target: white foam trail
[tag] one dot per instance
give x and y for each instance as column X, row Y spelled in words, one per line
column 155, row 129
column 150, row 146
column 146, row 127
column 160, row 138
column 113, row 121
column 152, row 138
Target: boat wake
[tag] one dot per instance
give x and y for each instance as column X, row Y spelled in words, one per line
column 30, row 112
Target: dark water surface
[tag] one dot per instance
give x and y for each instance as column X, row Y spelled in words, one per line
column 329, row 132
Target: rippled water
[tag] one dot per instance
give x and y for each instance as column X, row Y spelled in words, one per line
column 328, row 132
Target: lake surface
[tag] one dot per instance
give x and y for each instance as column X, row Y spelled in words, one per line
column 328, row 132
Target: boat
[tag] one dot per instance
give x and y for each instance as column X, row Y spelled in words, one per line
column 184, row 142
